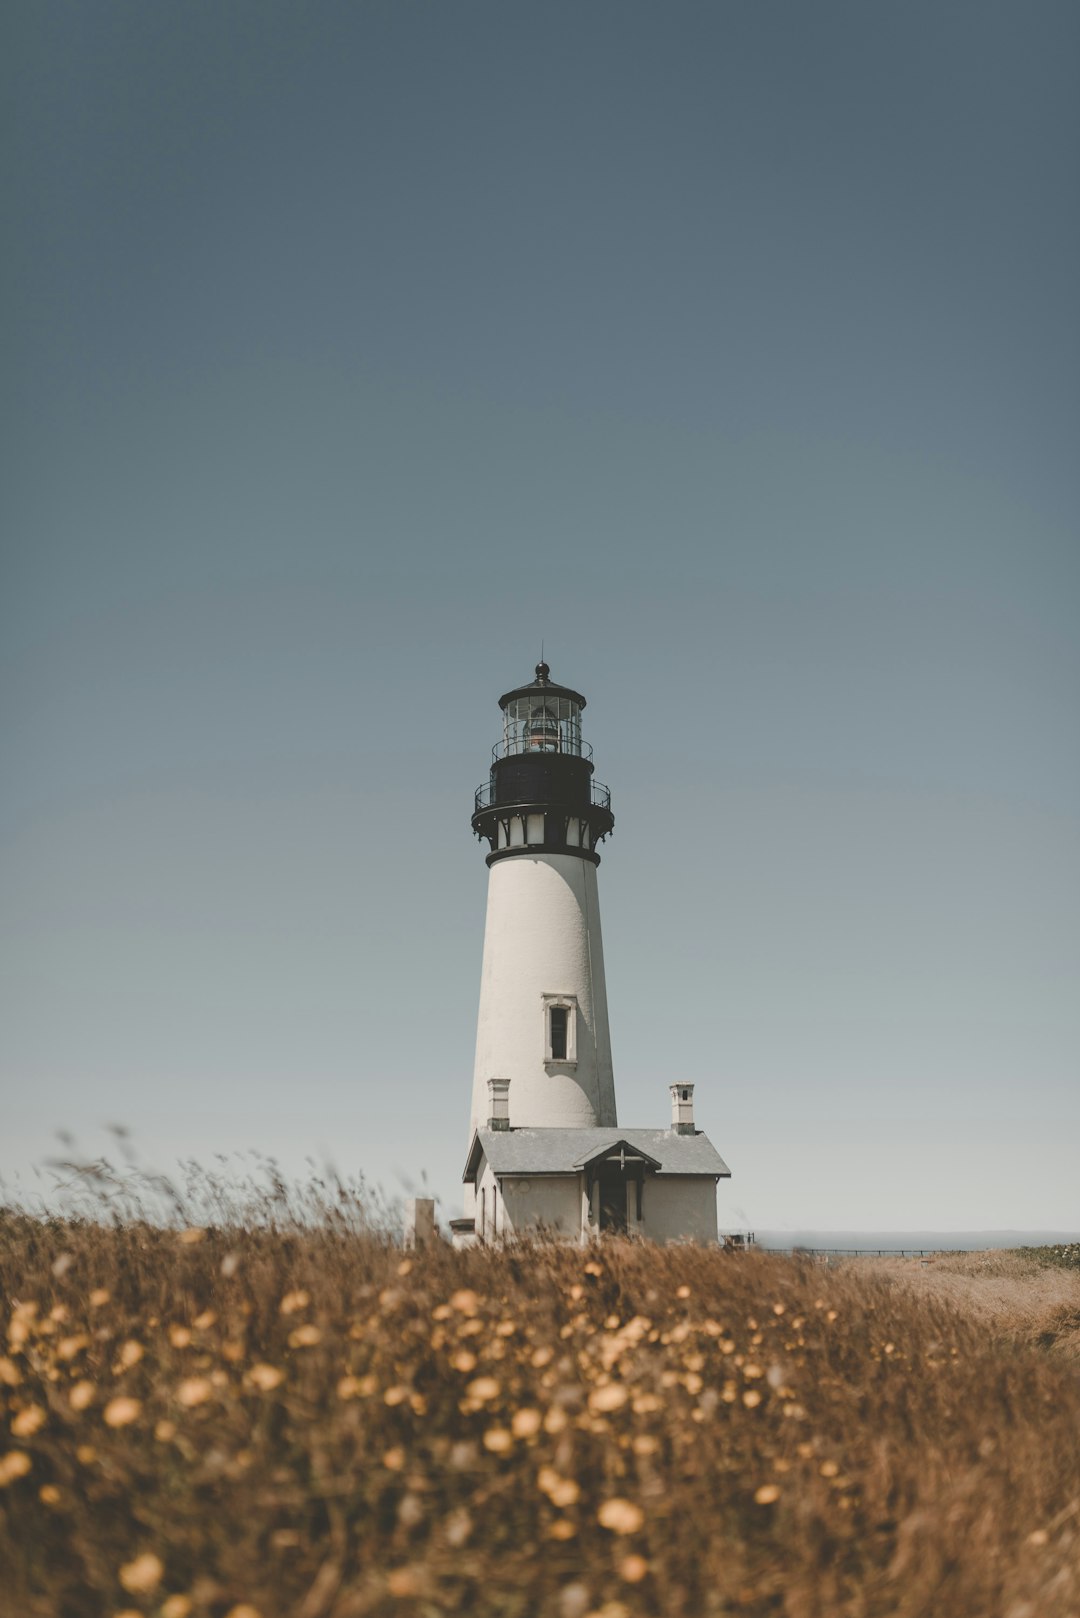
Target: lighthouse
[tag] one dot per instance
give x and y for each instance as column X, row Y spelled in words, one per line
column 546, row 1151
column 543, row 1017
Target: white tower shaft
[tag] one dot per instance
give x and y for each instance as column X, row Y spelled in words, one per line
column 543, row 1020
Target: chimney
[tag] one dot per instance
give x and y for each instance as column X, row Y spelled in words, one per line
column 682, row 1109
column 498, row 1103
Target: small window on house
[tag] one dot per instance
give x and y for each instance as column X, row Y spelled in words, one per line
column 559, row 1018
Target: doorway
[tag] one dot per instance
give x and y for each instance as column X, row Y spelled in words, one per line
column 612, row 1182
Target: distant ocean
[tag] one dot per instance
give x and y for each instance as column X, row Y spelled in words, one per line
column 911, row 1240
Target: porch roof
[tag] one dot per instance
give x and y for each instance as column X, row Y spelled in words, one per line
column 567, row 1151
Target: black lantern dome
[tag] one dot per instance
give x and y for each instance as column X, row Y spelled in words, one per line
column 541, row 796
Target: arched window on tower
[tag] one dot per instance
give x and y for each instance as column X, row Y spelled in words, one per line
column 560, row 1029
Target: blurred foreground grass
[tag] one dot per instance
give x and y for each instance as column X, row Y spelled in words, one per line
column 295, row 1419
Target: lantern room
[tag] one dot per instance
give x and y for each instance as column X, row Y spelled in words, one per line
column 542, row 717
column 541, row 793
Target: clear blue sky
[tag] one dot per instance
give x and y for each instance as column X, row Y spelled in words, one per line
column 733, row 349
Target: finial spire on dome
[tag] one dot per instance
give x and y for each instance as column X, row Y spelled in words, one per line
column 542, row 672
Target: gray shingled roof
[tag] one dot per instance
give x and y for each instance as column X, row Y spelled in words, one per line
column 565, row 1151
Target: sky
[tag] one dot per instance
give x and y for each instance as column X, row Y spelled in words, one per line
column 351, row 351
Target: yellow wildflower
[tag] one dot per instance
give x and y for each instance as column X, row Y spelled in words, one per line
column 498, row 1440
column 559, row 1490
column 292, row 1301
column 142, row 1575
column 28, row 1421
column 120, row 1412
column 767, row 1494
column 525, row 1423
column 194, row 1390
column 633, row 1568
column 402, row 1581
column 305, row 1337
column 646, row 1403
column 15, row 1464
column 130, row 1354
column 483, row 1388
column 620, row 1516
column 354, row 1387
column 176, row 1607
column 192, row 1236
column 266, row 1377
column 99, row 1297
column 612, row 1396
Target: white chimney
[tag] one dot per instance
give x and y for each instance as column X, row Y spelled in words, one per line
column 682, row 1109
column 498, row 1103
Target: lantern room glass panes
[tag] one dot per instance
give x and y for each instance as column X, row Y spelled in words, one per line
column 542, row 723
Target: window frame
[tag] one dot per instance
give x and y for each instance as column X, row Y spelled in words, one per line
column 567, row 1003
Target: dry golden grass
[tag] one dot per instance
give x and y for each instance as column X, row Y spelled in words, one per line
column 1017, row 1294
column 304, row 1423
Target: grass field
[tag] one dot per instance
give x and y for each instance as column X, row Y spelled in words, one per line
column 304, row 1421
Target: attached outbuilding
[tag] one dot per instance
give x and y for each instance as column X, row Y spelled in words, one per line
column 579, row 1183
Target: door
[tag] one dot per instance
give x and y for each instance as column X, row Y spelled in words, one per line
column 612, row 1181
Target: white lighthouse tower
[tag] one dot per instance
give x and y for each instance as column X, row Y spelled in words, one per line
column 545, row 1148
column 543, row 1018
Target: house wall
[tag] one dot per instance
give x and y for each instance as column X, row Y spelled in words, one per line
column 489, row 1209
column 551, row 1200
column 678, row 1206
column 675, row 1207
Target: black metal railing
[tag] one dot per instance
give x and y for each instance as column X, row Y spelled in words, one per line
column 599, row 796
